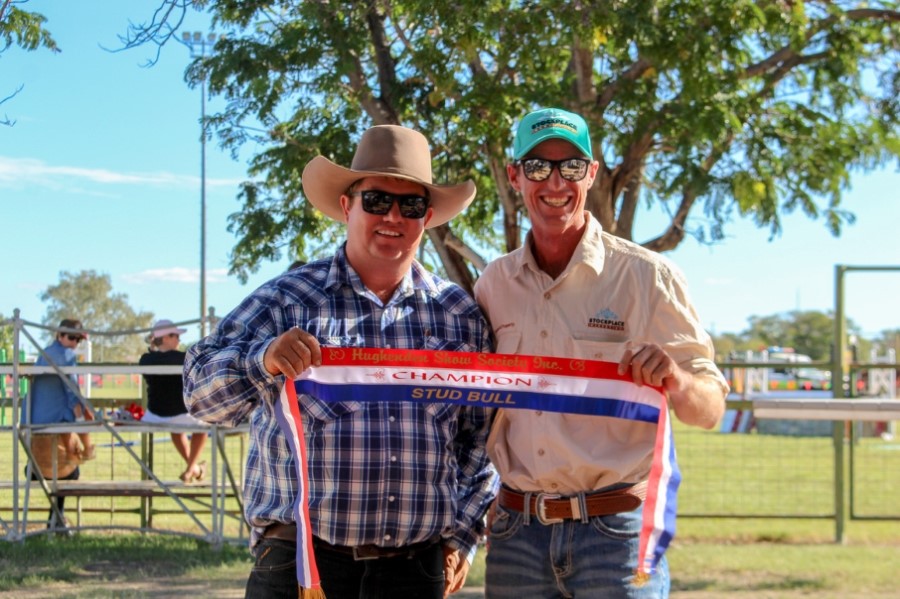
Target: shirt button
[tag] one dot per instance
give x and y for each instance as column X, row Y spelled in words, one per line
column 391, row 498
column 544, row 334
column 540, row 452
column 554, row 486
column 538, row 413
column 391, row 419
column 547, row 295
column 393, row 458
column 387, row 537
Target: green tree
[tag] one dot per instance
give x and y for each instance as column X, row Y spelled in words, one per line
column 706, row 110
column 88, row 296
column 807, row 332
column 23, row 29
column 887, row 340
column 6, row 338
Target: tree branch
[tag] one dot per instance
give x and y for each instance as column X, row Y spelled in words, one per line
column 457, row 245
column 582, row 65
column 630, row 197
column 159, row 31
column 384, row 62
column 509, row 203
column 452, row 261
column 675, row 232
column 786, row 53
column 3, row 10
column 633, row 72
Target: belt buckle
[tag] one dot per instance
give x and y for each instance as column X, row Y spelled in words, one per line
column 541, row 508
column 365, row 553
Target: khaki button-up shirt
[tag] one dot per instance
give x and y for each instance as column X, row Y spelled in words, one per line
column 611, row 292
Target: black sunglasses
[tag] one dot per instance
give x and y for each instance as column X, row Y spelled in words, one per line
column 375, row 201
column 75, row 338
column 540, row 169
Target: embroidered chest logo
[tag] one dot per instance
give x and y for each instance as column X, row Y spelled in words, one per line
column 606, row 319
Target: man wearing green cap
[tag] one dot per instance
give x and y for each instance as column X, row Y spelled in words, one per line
column 583, row 293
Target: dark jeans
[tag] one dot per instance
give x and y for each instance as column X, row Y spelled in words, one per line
column 60, row 501
column 419, row 577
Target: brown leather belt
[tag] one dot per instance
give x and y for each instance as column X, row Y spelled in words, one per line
column 288, row 532
column 367, row 552
column 550, row 509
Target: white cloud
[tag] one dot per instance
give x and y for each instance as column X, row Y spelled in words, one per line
column 176, row 274
column 25, row 171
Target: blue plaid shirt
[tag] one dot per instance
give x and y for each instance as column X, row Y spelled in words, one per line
column 382, row 473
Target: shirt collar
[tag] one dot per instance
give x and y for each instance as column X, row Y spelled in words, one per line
column 590, row 250
column 342, row 274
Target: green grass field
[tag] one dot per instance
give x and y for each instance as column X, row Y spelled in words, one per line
column 755, row 520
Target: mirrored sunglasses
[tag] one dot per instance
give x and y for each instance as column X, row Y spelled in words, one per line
column 540, row 169
column 375, row 201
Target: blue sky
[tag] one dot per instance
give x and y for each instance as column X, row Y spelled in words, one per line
column 102, row 171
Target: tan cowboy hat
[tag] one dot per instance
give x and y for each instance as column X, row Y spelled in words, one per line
column 384, row 151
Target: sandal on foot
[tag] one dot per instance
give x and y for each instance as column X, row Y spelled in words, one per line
column 202, row 468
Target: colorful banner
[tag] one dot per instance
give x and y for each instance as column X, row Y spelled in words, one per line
column 508, row 381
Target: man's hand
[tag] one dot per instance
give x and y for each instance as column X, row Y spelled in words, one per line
column 456, row 568
column 291, row 353
column 649, row 364
column 73, row 445
column 697, row 400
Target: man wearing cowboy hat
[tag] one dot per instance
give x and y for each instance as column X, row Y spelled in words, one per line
column 397, row 490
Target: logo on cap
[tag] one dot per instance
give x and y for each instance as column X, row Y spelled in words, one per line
column 554, row 122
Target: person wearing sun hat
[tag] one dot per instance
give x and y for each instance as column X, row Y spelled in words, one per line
column 53, row 400
column 418, row 524
column 165, row 398
column 583, row 293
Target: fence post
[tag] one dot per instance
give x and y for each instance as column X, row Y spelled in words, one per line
column 837, row 385
column 3, row 390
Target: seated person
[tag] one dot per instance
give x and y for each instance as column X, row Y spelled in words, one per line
column 165, row 402
column 52, row 402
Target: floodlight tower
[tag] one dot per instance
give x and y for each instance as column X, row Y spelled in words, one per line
column 198, row 45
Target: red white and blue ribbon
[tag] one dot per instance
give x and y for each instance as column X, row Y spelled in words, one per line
column 507, row 381
column 287, row 414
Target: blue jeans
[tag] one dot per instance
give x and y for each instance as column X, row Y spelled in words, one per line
column 571, row 559
column 274, row 574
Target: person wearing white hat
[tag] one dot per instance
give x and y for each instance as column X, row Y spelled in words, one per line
column 165, row 400
column 416, row 523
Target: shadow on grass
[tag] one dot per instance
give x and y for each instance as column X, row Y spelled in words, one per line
column 749, row 582
column 83, row 558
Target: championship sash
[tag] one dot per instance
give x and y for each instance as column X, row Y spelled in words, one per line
column 507, row 381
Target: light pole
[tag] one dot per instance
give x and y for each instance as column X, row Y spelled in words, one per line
column 198, row 44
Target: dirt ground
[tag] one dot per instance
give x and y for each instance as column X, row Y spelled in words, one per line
column 233, row 588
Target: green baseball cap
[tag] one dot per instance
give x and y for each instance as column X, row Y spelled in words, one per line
column 551, row 123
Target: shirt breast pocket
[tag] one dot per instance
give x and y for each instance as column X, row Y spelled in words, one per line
column 438, row 344
column 318, row 409
column 340, row 341
column 605, row 351
column 508, row 342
